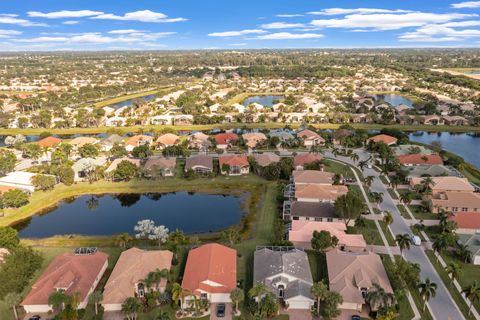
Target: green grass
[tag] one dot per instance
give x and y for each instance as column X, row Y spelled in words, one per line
column 384, row 179
column 421, row 214
column 115, row 100
column 369, row 232
column 150, row 128
column 318, row 265
column 338, row 168
column 447, row 281
column 388, row 235
column 392, row 194
column 470, row 272
column 403, row 211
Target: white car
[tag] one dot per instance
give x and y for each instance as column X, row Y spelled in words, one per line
column 416, row 240
column 369, row 166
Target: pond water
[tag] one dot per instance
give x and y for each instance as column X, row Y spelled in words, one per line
column 267, row 101
column 111, row 214
column 394, row 99
column 466, row 145
column 129, row 102
column 473, row 72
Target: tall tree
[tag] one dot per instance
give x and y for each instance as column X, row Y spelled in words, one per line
column 319, row 291
column 349, row 206
column 95, row 298
column 427, row 290
column 472, row 292
column 404, row 241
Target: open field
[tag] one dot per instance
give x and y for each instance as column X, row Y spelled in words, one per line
column 150, row 128
column 111, row 101
column 460, row 72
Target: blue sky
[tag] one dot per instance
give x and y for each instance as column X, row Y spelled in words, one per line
column 245, row 24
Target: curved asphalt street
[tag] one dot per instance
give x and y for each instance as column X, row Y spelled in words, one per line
column 442, row 306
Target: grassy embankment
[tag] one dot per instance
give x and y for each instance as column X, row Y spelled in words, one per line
column 150, row 128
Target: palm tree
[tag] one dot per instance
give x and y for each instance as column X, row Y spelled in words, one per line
column 406, row 198
column 354, row 157
column 472, row 292
column 427, row 184
column 163, row 315
column 404, row 241
column 123, row 239
column 463, row 252
column 95, row 298
column 319, row 291
column 131, row 307
column 428, row 290
column 379, row 297
column 388, row 218
column 13, row 299
column 377, row 197
column 178, row 293
column 453, row 270
column 440, row 243
column 369, row 180
column 236, row 296
column 258, row 290
column 57, row 300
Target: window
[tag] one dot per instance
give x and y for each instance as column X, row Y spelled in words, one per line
column 364, row 292
column 455, row 209
column 329, row 219
column 464, row 209
column 141, row 290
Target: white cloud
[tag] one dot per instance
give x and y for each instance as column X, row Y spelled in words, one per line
column 64, row 14
column 125, row 31
column 282, row 25
column 236, row 33
column 466, row 4
column 70, row 22
column 289, row 15
column 142, row 16
column 389, row 21
column 9, row 33
column 289, row 36
column 341, row 11
column 6, row 18
column 438, row 33
column 238, row 44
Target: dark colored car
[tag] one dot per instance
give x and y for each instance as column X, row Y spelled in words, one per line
column 221, row 310
column 356, row 317
column 35, row 318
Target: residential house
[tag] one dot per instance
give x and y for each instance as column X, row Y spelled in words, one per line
column 455, row 121
column 253, row 138
column 167, row 140
column 49, row 142
column 301, row 234
column 455, row 202
column 108, row 143
column 138, row 140
column 201, row 164
column 211, row 273
column 472, row 241
column 224, row 140
column 128, row 276
column 431, row 120
column 311, row 211
column 313, row 192
column 310, row 138
column 79, row 142
column 302, row 159
column 467, row 222
column 234, row 165
column 301, row 177
column 71, row 273
column 353, row 275
column 115, row 121
column 444, row 184
column 160, row 167
column 388, row 140
column 419, row 159
column 198, row 140
column 19, row 180
column 282, row 135
column 113, row 166
column 266, row 159
column 84, row 166
column 285, row 272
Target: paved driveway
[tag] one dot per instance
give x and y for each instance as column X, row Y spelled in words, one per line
column 442, row 305
column 228, row 312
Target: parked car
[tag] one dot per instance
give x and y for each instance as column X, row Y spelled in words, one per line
column 221, row 310
column 356, row 317
column 416, row 240
column 36, row 317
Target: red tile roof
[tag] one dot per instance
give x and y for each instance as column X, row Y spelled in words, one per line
column 211, row 268
column 467, row 220
column 49, row 142
column 75, row 273
column 234, row 160
column 388, row 140
column 420, row 159
column 225, row 138
column 305, row 158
